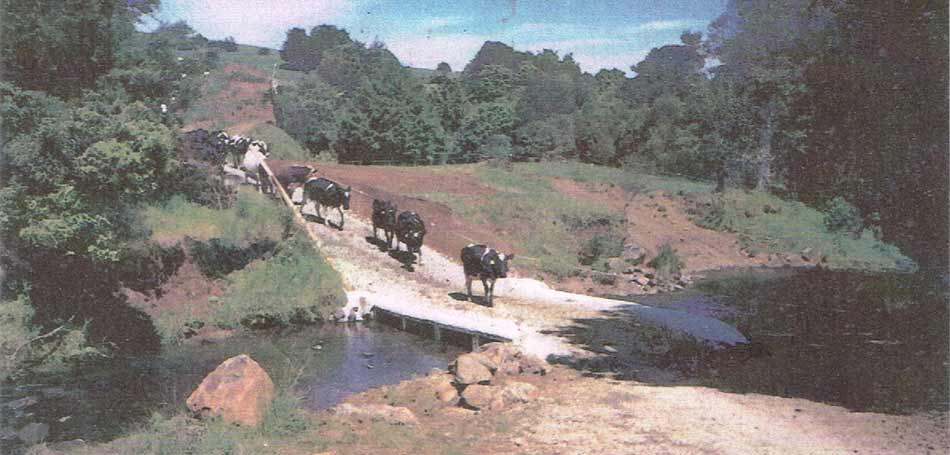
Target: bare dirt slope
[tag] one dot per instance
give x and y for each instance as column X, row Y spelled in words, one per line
column 237, row 107
column 583, row 415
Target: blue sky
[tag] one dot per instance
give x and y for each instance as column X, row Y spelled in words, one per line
column 600, row 34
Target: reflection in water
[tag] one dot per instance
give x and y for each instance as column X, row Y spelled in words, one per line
column 98, row 402
column 869, row 342
column 371, row 357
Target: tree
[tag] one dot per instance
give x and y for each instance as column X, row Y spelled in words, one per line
column 310, row 113
column 443, row 68
column 304, row 52
column 760, row 42
column 62, row 47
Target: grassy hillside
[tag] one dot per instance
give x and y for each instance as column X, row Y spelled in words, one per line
column 285, row 280
column 550, row 226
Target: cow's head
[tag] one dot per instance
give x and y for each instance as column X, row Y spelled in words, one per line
column 386, row 210
column 497, row 263
column 258, row 146
column 346, row 198
column 221, row 139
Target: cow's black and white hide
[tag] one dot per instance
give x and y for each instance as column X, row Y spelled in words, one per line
column 255, row 155
column 252, row 166
column 326, row 193
column 411, row 230
column 237, row 147
column 384, row 217
column 487, row 265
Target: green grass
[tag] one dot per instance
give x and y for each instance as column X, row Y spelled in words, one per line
column 285, row 423
column 630, row 181
column 548, row 226
column 794, row 228
column 295, row 285
column 538, row 218
column 279, row 143
column 251, row 218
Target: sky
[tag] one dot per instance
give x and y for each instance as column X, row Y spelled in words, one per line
column 599, row 33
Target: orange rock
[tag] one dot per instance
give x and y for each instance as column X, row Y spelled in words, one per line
column 238, row 391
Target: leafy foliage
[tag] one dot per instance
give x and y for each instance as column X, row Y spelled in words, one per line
column 841, row 216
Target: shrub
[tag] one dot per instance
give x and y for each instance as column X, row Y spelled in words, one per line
column 263, row 51
column 218, row 257
column 842, row 216
column 600, row 246
column 666, row 263
column 295, row 285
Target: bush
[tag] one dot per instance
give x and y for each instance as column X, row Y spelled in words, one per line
column 263, row 51
column 600, row 246
column 666, row 263
column 842, row 216
column 295, row 285
column 217, row 257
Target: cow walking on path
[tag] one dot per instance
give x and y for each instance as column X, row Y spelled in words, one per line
column 487, row 265
column 411, row 230
column 384, row 217
column 326, row 192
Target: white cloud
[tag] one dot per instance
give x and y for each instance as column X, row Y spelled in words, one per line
column 437, row 22
column 666, row 25
column 592, row 63
column 570, row 45
column 257, row 22
column 456, row 49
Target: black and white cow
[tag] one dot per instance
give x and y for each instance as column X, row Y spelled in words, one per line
column 384, row 217
column 411, row 230
column 255, row 155
column 487, row 265
column 237, row 147
column 325, row 192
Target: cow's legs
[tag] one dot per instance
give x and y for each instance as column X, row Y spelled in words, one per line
column 468, row 286
column 316, row 206
column 487, row 291
column 491, row 293
column 341, row 217
column 419, row 251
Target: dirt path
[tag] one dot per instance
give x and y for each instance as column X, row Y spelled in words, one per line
column 582, row 415
column 524, row 307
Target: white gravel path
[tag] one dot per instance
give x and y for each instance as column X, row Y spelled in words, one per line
column 373, row 278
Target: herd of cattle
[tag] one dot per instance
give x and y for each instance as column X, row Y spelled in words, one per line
column 307, row 187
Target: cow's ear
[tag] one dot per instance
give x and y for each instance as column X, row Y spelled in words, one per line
column 510, row 256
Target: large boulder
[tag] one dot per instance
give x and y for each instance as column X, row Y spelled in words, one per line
column 473, row 368
column 500, row 353
column 445, row 391
column 238, row 391
column 484, row 397
column 378, row 413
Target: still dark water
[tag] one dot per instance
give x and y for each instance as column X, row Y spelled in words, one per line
column 326, row 363
column 868, row 342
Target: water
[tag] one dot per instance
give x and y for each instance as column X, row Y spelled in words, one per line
column 869, row 342
column 101, row 401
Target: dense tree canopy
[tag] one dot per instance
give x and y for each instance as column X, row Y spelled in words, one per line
column 822, row 99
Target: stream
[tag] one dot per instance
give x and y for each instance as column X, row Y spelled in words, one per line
column 326, row 363
column 868, row 342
